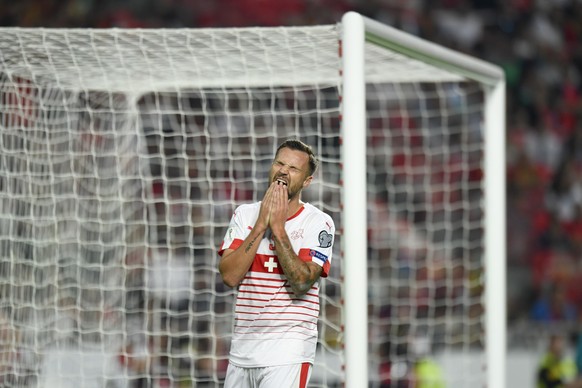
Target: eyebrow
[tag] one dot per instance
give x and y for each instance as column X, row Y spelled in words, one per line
column 290, row 165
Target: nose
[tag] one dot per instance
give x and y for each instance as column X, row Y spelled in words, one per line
column 284, row 169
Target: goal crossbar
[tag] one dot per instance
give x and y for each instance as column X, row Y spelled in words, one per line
column 100, row 65
column 432, row 54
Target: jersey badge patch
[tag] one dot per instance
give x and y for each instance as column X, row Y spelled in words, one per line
column 318, row 255
column 325, row 239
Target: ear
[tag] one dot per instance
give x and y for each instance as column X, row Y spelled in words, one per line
column 307, row 181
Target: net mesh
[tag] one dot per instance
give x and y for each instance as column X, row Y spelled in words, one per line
column 425, row 206
column 123, row 154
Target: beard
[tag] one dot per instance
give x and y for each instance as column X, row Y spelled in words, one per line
column 293, row 190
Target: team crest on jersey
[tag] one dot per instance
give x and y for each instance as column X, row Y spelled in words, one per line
column 296, row 234
column 325, row 239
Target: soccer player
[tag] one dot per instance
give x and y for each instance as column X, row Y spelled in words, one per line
column 275, row 251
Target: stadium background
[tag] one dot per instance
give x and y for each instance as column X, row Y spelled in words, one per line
column 537, row 42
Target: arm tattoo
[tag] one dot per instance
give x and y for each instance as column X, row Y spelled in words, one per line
column 250, row 245
column 294, row 270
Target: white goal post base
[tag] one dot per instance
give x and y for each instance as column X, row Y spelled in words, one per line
column 124, row 152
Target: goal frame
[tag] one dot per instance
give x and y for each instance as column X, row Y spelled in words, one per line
column 356, row 31
column 355, row 34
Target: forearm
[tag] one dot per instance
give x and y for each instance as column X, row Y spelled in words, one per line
column 235, row 264
column 300, row 275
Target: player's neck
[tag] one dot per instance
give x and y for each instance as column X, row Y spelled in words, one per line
column 294, row 205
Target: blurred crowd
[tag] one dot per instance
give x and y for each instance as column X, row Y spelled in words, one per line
column 537, row 42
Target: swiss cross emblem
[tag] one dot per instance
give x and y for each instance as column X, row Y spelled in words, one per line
column 271, row 264
column 296, row 234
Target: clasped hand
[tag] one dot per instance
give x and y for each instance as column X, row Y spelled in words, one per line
column 274, row 207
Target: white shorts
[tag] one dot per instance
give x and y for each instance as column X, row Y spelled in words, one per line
column 283, row 376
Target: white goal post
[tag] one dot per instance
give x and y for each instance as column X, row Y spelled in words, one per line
column 124, row 152
column 358, row 32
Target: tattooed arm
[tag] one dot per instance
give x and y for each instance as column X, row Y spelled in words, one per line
column 300, row 274
column 234, row 264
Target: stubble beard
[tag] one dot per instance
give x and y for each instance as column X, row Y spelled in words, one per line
column 292, row 191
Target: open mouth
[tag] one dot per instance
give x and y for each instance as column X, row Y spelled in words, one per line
column 281, row 181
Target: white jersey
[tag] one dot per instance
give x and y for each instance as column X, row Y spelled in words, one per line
column 273, row 326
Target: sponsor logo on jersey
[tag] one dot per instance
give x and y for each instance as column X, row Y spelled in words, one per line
column 325, row 239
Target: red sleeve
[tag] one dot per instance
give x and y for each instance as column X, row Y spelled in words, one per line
column 234, row 245
column 307, row 255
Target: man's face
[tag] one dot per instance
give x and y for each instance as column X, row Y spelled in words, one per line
column 291, row 167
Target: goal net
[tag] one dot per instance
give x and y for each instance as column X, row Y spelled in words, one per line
column 123, row 154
